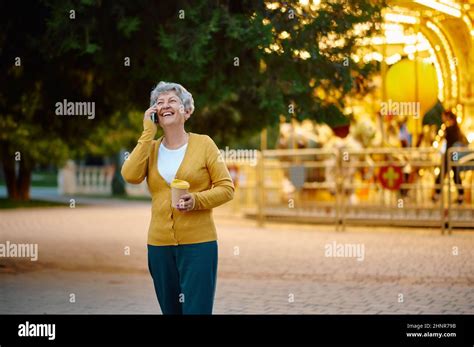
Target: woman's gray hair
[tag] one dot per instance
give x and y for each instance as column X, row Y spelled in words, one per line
column 164, row 87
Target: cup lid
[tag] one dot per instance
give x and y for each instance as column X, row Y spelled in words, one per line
column 180, row 184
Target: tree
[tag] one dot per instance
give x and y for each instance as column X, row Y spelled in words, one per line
column 245, row 62
column 256, row 61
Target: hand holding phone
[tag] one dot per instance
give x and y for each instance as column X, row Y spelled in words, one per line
column 152, row 114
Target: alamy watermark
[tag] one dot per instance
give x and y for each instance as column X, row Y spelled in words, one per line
column 395, row 108
column 19, row 250
column 239, row 155
column 37, row 330
column 345, row 250
column 69, row 108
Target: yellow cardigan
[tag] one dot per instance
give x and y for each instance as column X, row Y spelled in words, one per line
column 206, row 172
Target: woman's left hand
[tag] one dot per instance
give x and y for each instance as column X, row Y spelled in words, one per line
column 186, row 203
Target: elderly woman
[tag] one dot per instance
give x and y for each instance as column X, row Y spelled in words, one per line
column 182, row 239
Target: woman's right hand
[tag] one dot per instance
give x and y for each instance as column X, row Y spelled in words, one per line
column 152, row 109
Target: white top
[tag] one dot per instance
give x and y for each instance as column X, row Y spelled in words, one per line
column 169, row 161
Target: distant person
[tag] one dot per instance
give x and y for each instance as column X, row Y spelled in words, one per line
column 454, row 138
column 182, row 239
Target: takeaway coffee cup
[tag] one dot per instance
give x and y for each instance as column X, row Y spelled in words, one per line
column 178, row 189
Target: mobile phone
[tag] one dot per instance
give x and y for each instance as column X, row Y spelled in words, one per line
column 154, row 117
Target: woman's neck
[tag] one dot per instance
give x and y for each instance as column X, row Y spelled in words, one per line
column 175, row 137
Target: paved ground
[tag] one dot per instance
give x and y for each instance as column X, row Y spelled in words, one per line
column 282, row 268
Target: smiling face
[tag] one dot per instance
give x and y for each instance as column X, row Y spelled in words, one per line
column 171, row 110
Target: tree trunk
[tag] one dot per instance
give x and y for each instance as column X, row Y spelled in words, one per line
column 10, row 179
column 24, row 181
column 18, row 186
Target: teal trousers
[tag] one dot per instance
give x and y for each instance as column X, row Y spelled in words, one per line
column 184, row 277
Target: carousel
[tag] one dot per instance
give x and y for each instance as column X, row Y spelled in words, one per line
column 387, row 163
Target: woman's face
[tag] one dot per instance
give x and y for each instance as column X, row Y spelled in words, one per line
column 447, row 120
column 170, row 109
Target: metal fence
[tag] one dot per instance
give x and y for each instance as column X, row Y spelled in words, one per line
column 369, row 186
column 296, row 185
column 460, row 161
column 393, row 186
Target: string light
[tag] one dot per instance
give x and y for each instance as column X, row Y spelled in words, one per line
column 444, row 6
column 450, row 56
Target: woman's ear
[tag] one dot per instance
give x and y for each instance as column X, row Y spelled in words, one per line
column 187, row 115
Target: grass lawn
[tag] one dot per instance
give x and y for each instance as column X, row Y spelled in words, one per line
column 44, row 179
column 6, row 203
column 41, row 179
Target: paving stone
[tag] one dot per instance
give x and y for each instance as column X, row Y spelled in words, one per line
column 81, row 251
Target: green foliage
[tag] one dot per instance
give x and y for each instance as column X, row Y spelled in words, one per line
column 82, row 59
column 237, row 101
column 127, row 26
